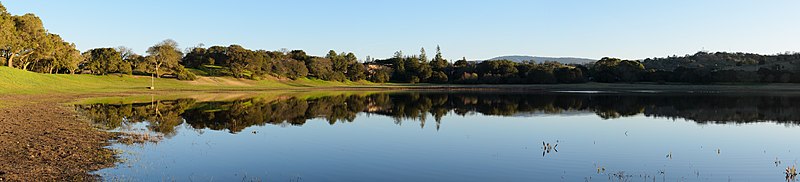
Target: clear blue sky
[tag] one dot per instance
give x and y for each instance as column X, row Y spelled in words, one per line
column 630, row 29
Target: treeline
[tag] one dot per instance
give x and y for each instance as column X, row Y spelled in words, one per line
column 417, row 68
column 239, row 62
column 701, row 68
column 27, row 45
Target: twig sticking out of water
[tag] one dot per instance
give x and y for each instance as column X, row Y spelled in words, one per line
column 546, row 147
column 549, row 147
column 791, row 173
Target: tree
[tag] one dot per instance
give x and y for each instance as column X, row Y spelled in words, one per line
column 321, row 68
column 398, row 55
column 569, row 75
column 101, row 61
column 438, row 77
column 380, row 75
column 340, row 62
column 422, row 55
column 331, row 54
column 196, row 57
column 7, row 38
column 27, row 36
column 183, row 74
column 140, row 64
column 438, row 63
column 497, row 67
column 617, row 70
column 164, row 54
column 240, row 61
column 69, row 57
column 125, row 52
column 356, row 72
column 296, row 69
column 604, row 70
column 299, row 55
column 126, row 66
column 541, row 75
column 413, row 70
column 350, row 58
column 43, row 58
column 62, row 56
column 462, row 62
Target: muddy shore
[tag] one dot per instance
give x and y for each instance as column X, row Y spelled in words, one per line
column 43, row 139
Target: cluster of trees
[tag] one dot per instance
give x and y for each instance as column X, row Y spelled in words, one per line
column 616, row 70
column 25, row 44
column 162, row 59
column 240, row 62
column 528, row 72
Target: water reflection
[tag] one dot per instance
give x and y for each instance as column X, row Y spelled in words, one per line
column 234, row 116
column 467, row 136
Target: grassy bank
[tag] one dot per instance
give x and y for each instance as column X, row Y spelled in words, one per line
column 15, row 81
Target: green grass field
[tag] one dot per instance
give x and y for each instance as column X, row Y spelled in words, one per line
column 15, row 81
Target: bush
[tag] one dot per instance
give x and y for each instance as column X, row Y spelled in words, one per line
column 184, row 74
column 125, row 68
column 438, row 77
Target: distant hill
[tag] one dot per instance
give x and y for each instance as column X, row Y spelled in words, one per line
column 564, row 60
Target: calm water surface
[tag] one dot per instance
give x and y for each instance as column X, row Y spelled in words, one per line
column 459, row 137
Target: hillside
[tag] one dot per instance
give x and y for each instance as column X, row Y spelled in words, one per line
column 564, row 60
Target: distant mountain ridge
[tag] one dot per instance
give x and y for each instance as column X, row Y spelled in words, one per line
column 563, row 60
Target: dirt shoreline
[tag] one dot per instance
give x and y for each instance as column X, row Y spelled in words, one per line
column 43, row 139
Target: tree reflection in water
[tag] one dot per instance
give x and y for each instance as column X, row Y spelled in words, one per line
column 234, row 116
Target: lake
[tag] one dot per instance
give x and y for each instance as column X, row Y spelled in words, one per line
column 457, row 136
